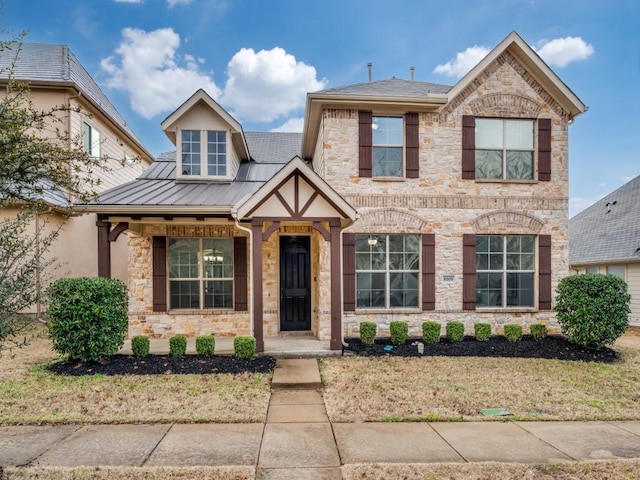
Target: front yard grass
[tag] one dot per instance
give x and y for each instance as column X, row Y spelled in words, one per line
column 359, row 389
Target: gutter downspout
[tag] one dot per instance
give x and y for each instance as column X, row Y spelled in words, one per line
column 248, row 230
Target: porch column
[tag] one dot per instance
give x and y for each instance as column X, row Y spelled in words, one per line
column 104, row 248
column 336, row 290
column 256, row 253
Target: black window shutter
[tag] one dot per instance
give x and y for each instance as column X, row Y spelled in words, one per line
column 240, row 274
column 366, row 143
column 468, row 147
column 544, row 149
column 349, row 272
column 412, row 144
column 428, row 271
column 468, row 272
column 159, row 253
column 544, row 272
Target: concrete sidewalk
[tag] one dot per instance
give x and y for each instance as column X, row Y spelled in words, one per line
column 298, row 441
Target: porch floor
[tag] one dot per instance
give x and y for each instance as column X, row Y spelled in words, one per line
column 282, row 347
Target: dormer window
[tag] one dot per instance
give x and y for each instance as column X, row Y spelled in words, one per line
column 203, row 158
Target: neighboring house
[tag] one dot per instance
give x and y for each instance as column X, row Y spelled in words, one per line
column 56, row 78
column 401, row 200
column 605, row 238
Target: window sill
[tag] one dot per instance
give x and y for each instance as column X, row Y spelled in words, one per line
column 389, row 179
column 187, row 179
column 504, row 180
column 506, row 310
column 196, row 311
column 387, row 311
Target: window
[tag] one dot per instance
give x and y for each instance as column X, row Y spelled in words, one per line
column 591, row 270
column 197, row 146
column 505, row 269
column 387, row 138
column 504, row 149
column 90, row 140
column 617, row 270
column 201, row 273
column 387, row 270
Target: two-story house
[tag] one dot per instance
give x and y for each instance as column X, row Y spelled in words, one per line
column 401, row 200
column 56, row 78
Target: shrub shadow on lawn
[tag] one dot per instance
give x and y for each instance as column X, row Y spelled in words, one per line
column 551, row 347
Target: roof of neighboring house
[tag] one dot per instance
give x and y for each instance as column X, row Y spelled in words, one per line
column 391, row 87
column 609, row 230
column 157, row 186
column 56, row 64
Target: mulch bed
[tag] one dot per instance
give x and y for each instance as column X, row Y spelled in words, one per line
column 166, row 364
column 551, row 347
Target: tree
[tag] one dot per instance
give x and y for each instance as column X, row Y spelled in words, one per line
column 38, row 159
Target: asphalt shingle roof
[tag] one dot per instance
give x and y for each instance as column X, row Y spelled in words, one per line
column 157, row 186
column 609, row 230
column 392, row 87
column 38, row 62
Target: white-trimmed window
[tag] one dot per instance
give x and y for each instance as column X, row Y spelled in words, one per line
column 203, row 153
column 591, row 270
column 504, row 149
column 200, row 273
column 387, row 271
column 90, row 140
column 618, row 271
column 388, row 146
column 505, row 270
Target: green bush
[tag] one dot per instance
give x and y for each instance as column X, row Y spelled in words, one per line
column 88, row 317
column 178, row 346
column 538, row 331
column 513, row 332
column 244, row 346
column 593, row 310
column 205, row 345
column 140, row 346
column 482, row 331
column 455, row 331
column 368, row 332
column 431, row 332
column 399, row 332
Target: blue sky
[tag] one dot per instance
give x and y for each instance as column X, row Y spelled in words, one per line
column 258, row 58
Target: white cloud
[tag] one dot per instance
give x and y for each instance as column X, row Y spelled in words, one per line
column 602, row 184
column 269, row 84
column 146, row 65
column 562, row 51
column 173, row 3
column 128, row 1
column 463, row 62
column 578, row 204
column 291, row 125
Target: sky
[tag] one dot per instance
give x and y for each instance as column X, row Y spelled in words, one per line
column 259, row 58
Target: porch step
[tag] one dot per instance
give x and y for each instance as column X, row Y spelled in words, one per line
column 296, row 373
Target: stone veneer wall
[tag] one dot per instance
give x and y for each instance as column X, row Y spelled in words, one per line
column 441, row 202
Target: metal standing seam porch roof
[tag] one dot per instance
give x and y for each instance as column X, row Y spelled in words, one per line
column 609, row 230
column 158, row 189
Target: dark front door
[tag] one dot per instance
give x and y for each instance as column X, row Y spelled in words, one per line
column 295, row 284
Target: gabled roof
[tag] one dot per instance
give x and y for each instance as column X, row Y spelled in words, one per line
column 609, row 230
column 535, row 66
column 237, row 135
column 392, row 87
column 157, row 191
column 42, row 64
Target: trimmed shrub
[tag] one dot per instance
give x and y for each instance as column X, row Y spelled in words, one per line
column 88, row 317
column 399, row 332
column 244, row 346
column 205, row 345
column 178, row 346
column 140, row 346
column 368, row 332
column 593, row 310
column 538, row 331
column 455, row 331
column 482, row 331
column 513, row 332
column 431, row 332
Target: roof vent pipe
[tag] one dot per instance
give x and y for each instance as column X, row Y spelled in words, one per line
column 369, row 66
column 412, row 69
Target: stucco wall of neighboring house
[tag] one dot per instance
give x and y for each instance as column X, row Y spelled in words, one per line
column 440, row 202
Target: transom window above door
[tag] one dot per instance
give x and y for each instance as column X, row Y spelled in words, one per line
column 387, row 139
column 504, row 149
column 203, row 153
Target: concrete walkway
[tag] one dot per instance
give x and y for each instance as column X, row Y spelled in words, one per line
column 298, row 441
